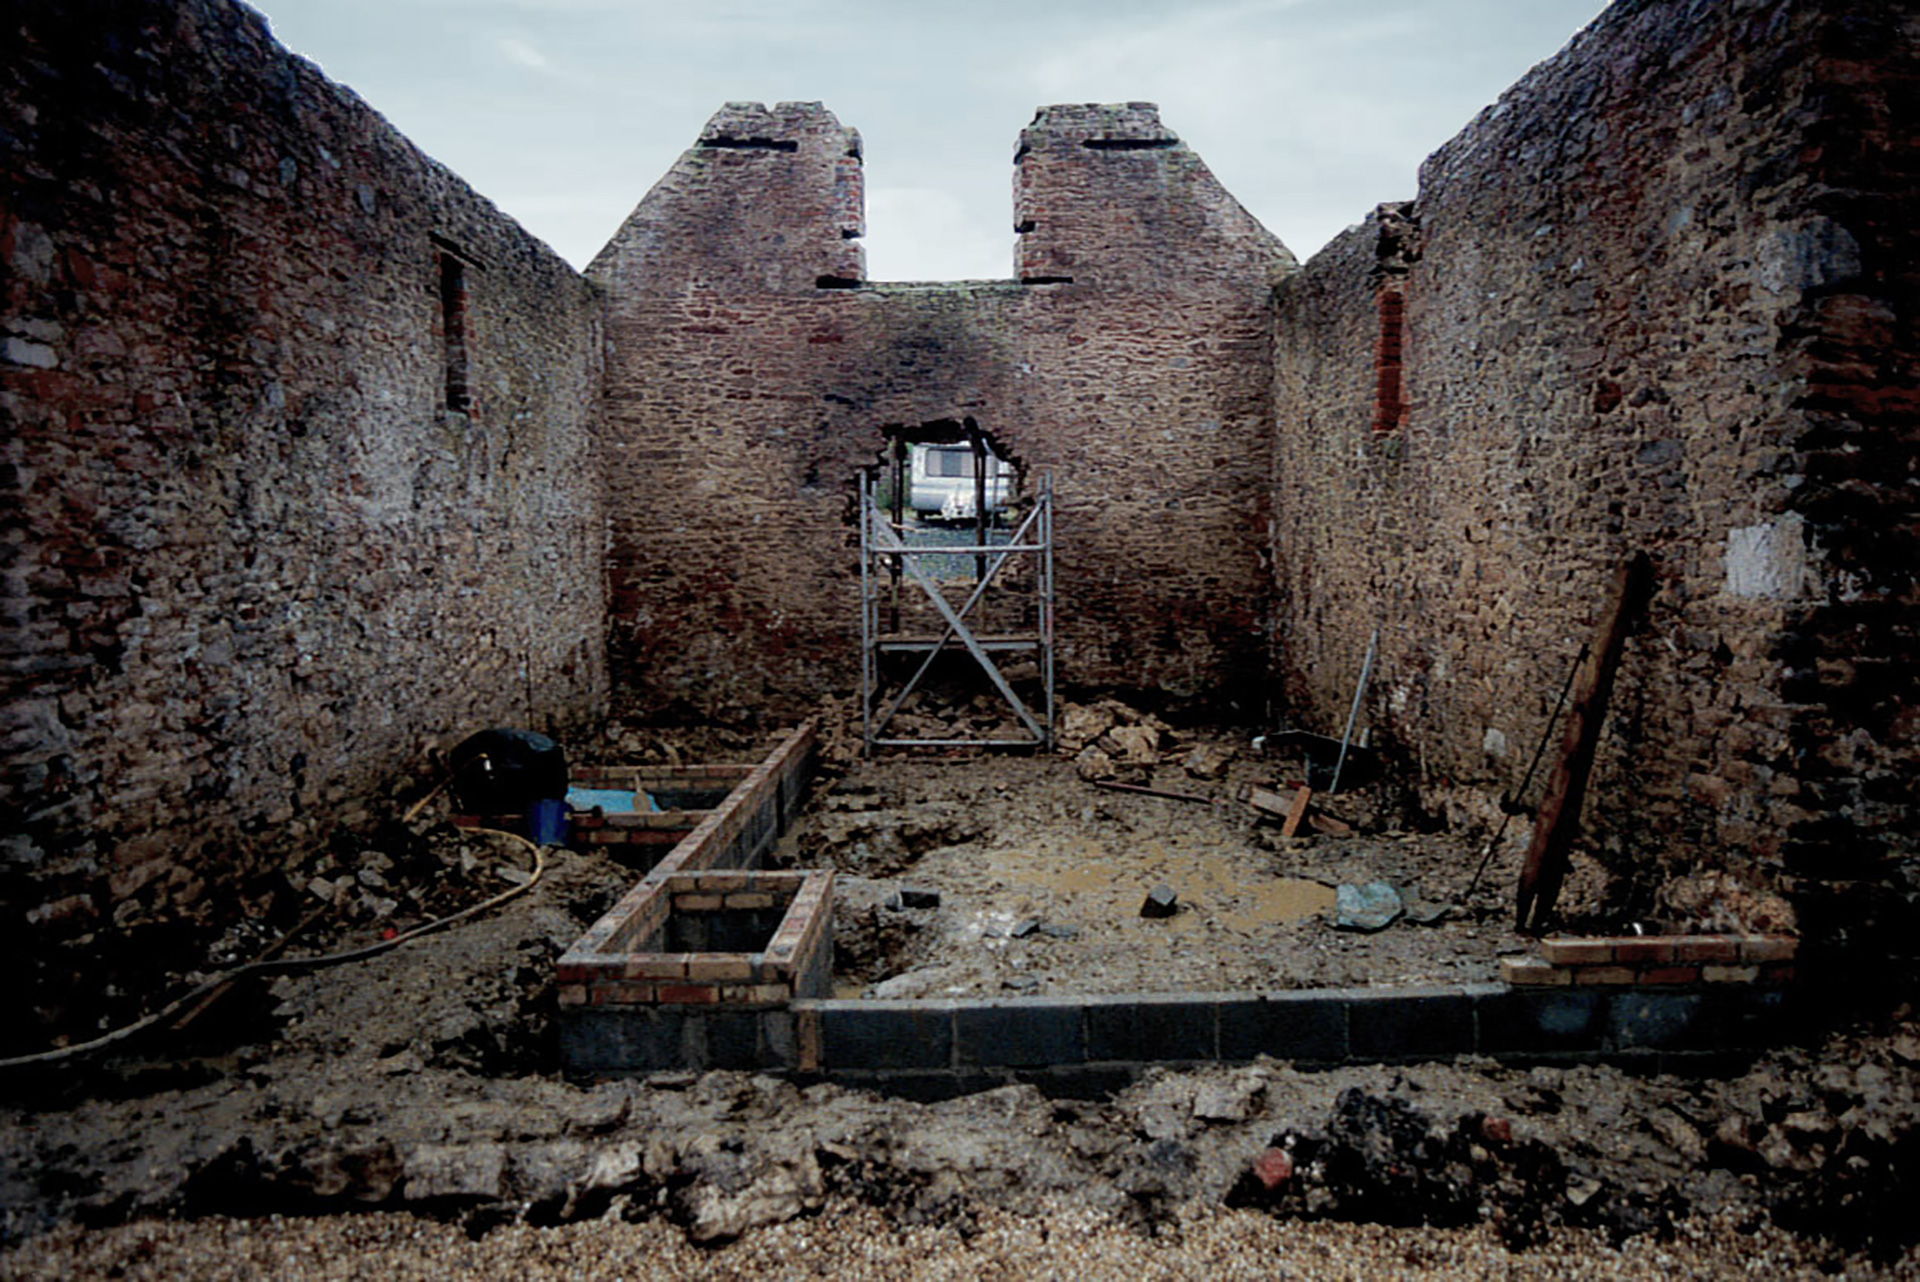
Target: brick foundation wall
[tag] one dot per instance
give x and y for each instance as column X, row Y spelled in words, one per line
column 252, row 561
column 1657, row 298
column 743, row 396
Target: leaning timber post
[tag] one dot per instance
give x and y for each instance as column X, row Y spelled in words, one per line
column 1558, row 823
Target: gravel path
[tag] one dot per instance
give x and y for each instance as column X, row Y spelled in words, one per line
column 848, row 1242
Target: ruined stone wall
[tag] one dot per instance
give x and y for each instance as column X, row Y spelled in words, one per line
column 1849, row 653
column 748, row 383
column 1634, row 314
column 252, row 559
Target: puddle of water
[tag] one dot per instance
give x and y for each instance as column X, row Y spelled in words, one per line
column 1083, row 882
column 1281, row 900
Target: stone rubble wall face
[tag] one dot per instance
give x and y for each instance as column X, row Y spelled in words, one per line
column 1634, row 322
column 1660, row 297
column 742, row 400
column 251, row 563
column 1850, row 653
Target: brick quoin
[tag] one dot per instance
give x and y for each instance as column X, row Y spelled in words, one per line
column 1389, row 398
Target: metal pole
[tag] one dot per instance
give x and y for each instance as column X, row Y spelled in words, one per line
column 979, row 501
column 1519, row 794
column 901, row 482
column 1046, row 597
column 966, row 638
column 1353, row 714
column 866, row 617
column 1000, row 556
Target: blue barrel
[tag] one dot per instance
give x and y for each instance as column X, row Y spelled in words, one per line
column 547, row 822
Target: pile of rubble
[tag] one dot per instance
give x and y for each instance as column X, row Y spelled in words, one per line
column 1110, row 741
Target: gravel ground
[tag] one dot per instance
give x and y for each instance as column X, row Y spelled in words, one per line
column 850, row 1242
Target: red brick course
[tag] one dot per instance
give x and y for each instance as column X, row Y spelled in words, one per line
column 618, row 959
column 1655, row 960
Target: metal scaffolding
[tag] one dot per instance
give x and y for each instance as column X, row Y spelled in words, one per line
column 887, row 554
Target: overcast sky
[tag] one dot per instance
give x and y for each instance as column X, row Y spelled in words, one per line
column 565, row 112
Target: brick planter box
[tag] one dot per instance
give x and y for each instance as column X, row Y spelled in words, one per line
column 696, row 970
column 719, row 816
column 686, row 795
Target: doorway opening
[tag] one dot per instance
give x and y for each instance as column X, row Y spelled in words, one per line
column 956, row 577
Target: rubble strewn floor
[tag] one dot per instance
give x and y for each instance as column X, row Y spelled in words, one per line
column 423, row 1085
column 1041, row 877
column 423, row 1081
column 852, row 1241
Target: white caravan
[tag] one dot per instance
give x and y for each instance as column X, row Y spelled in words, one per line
column 942, row 485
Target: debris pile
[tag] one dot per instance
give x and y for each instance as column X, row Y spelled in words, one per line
column 402, row 879
column 937, row 711
column 1381, row 1160
column 1110, row 741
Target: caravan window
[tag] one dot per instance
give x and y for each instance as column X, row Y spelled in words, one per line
column 950, row 462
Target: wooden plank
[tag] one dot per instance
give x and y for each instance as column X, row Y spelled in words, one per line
column 1558, row 823
column 270, row 952
column 1113, row 786
column 1297, row 811
column 1331, row 826
column 1267, row 801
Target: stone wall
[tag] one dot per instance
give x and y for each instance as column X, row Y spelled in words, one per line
column 1657, row 298
column 752, row 374
column 253, row 560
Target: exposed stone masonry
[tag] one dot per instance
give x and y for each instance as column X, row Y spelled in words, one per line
column 743, row 397
column 1638, row 321
column 253, row 561
column 312, row 457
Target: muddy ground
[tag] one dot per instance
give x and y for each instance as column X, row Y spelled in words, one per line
column 1041, row 878
column 424, row 1081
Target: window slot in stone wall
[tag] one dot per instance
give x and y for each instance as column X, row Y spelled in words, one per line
column 723, row 143
column 453, row 331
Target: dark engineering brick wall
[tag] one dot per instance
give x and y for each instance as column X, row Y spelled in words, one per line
column 743, row 395
column 1660, row 297
column 250, row 560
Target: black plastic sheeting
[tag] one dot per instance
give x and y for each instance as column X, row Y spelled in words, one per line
column 502, row 771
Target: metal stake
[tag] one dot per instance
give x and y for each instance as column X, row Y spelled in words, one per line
column 1353, row 714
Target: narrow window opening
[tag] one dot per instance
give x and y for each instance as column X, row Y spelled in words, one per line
column 837, row 282
column 723, row 143
column 453, row 330
column 1130, row 144
column 1046, row 280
